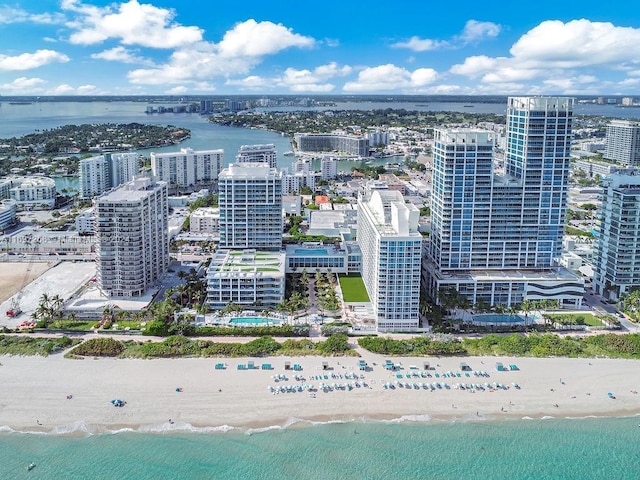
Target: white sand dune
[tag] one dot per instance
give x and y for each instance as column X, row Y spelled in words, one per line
column 34, row 390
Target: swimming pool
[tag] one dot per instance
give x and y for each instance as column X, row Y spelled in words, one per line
column 253, row 321
column 497, row 318
column 316, row 251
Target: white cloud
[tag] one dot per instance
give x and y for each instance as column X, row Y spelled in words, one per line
column 177, row 90
column 475, row 30
column 66, row 89
column 253, row 39
column 27, row 61
column 121, row 54
column 23, row 84
column 418, row 44
column 390, row 78
column 18, row 15
column 556, row 50
column 241, row 49
column 131, row 23
column 252, row 81
column 577, row 43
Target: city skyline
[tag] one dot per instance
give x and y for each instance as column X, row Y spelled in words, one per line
column 159, row 47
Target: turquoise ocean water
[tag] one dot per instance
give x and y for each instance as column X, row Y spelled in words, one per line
column 581, row 449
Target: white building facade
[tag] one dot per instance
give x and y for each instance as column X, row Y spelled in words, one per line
column 33, row 193
column 258, row 154
column 188, row 167
column 391, row 250
column 205, row 220
column 132, row 250
column 616, row 256
column 328, row 168
column 248, row 277
column 623, row 142
column 250, row 202
column 8, row 209
column 104, row 172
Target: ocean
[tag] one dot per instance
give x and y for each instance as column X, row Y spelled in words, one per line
column 581, row 449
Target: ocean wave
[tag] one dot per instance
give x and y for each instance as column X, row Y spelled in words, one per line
column 410, row 418
column 83, row 429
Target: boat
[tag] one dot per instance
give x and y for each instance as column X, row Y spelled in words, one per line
column 469, row 106
column 288, row 154
column 31, row 466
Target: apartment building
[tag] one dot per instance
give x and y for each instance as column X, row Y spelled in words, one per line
column 391, row 251
column 132, row 251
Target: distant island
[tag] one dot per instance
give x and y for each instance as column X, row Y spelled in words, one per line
column 90, row 138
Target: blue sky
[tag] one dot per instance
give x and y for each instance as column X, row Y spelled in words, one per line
column 135, row 47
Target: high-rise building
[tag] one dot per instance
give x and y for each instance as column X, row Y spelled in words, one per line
column 497, row 238
column 616, row 259
column 188, row 167
column 258, row 154
column 391, row 249
column 104, row 172
column 328, row 142
column 250, row 201
column 132, row 237
column 328, row 168
column 623, row 142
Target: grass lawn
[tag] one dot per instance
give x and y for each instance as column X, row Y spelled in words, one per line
column 580, row 318
column 353, row 289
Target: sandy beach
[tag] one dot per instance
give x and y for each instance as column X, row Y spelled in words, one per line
column 35, row 390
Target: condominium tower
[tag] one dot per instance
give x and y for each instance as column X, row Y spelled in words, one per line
column 250, row 201
column 496, row 238
column 391, row 249
column 616, row 256
column 104, row 172
column 258, row 154
column 188, row 167
column 623, row 142
column 132, row 237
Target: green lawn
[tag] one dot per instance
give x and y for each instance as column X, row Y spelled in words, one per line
column 353, row 289
column 578, row 318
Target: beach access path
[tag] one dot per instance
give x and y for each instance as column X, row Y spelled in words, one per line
column 35, row 391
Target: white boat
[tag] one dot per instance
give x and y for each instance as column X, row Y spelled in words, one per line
column 31, row 466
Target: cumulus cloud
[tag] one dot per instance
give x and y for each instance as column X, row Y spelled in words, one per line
column 23, row 84
column 473, row 31
column 418, row 44
column 131, row 23
column 253, row 39
column 241, row 49
column 390, row 78
column 18, row 15
column 555, row 50
column 27, row 61
column 121, row 54
column 66, row 89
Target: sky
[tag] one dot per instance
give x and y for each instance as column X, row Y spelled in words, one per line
column 270, row 47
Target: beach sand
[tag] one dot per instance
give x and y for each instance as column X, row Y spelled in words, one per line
column 14, row 276
column 34, row 392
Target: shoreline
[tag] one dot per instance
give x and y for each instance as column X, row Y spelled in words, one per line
column 35, row 389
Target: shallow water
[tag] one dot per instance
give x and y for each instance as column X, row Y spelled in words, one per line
column 588, row 448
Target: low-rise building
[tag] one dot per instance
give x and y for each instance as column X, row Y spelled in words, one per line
column 8, row 209
column 205, row 220
column 246, row 277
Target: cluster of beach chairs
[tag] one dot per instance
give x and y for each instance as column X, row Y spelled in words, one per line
column 433, row 386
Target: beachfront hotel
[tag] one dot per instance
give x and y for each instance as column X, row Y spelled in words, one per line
column 391, row 248
column 246, row 277
column 616, row 264
column 250, row 202
column 132, row 251
column 188, row 167
column 497, row 238
column 258, row 154
column 623, row 142
column 104, row 172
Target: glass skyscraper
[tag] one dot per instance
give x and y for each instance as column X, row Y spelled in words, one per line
column 497, row 237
